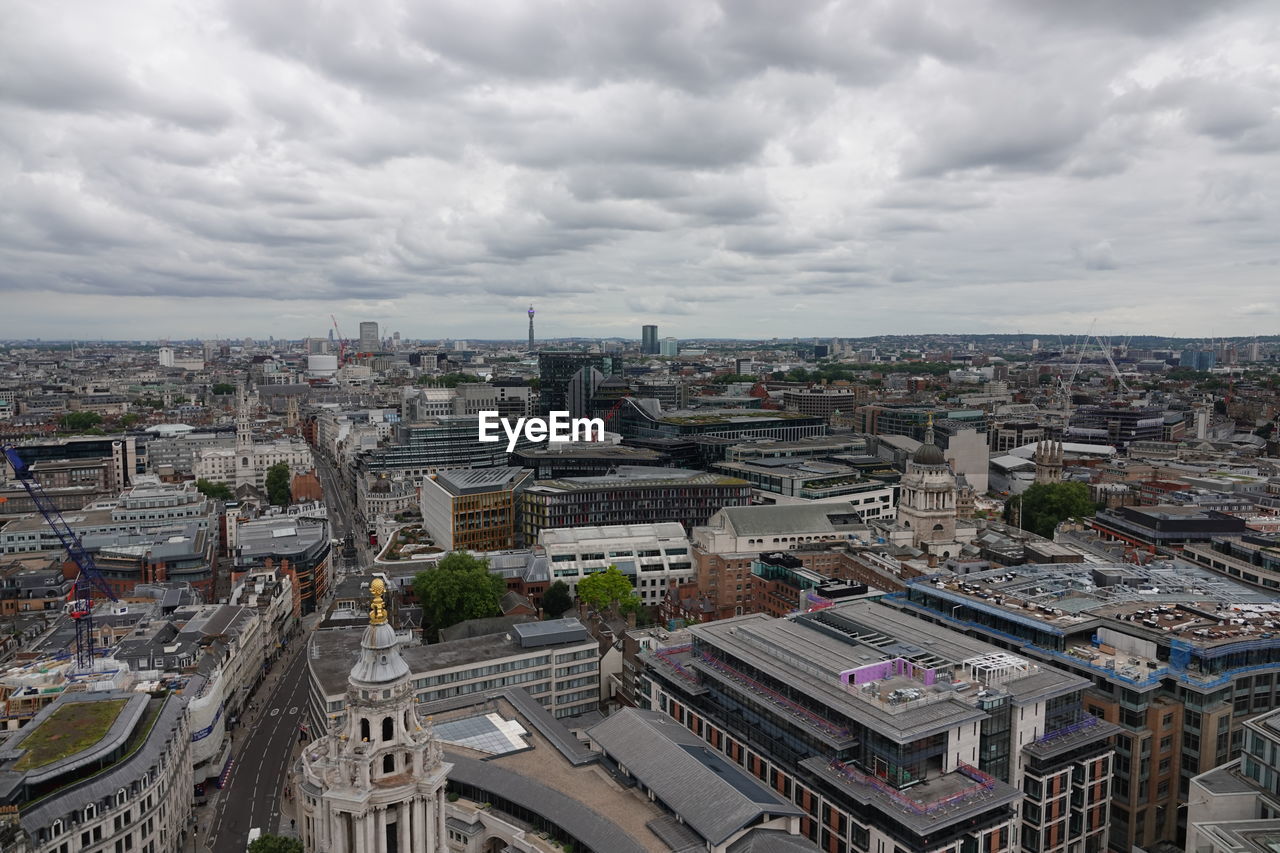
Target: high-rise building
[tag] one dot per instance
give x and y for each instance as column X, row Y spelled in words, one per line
column 530, row 328
column 557, row 369
column 669, row 347
column 1198, row 359
column 369, row 341
column 649, row 340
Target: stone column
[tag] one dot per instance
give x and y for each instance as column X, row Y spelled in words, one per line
column 370, row 838
column 379, row 829
column 421, row 838
column 441, row 834
column 336, row 828
column 402, row 827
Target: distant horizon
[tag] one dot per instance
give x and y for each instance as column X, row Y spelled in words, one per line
column 1045, row 338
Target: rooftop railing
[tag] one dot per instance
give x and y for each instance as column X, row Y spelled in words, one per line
column 982, row 783
column 776, row 698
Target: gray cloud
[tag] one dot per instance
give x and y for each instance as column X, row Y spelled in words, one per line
column 438, row 165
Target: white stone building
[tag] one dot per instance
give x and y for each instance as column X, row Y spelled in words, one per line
column 249, row 461
column 654, row 556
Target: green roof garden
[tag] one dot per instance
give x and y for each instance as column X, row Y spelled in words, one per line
column 70, row 729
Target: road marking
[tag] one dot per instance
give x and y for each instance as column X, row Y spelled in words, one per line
column 275, row 711
column 293, row 710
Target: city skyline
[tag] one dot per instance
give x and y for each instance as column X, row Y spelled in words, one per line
column 841, row 169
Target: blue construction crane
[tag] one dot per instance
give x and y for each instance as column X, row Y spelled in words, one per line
column 89, row 578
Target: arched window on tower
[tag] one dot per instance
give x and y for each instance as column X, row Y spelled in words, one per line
column 389, row 763
column 364, row 729
column 388, row 729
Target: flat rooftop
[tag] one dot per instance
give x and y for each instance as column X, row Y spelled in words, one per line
column 636, row 475
column 466, row 481
column 72, row 727
column 332, row 652
column 613, row 533
column 1168, row 598
column 905, row 678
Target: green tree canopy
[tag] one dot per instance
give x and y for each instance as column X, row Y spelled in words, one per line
column 1044, row 505
column 556, row 600
column 210, row 489
column 275, row 844
column 76, row 421
column 449, row 380
column 601, row 589
column 278, row 484
column 460, row 587
column 222, row 388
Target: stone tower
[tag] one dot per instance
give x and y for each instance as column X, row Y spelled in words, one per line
column 1048, row 462
column 375, row 783
column 927, row 504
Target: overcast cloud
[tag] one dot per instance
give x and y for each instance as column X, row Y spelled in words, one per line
column 750, row 169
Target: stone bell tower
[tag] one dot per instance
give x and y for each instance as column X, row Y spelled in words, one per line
column 376, row 782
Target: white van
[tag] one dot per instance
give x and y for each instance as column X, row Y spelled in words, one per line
column 254, row 835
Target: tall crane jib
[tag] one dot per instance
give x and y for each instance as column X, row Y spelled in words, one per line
column 88, row 580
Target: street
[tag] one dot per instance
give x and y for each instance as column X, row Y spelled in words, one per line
column 256, row 784
column 340, row 502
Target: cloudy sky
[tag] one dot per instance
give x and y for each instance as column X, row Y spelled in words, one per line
column 751, row 168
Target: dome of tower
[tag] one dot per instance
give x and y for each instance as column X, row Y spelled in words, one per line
column 929, row 454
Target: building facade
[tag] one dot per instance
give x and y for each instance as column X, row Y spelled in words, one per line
column 654, row 556
column 472, row 509
column 630, row 495
column 130, row 788
column 893, row 735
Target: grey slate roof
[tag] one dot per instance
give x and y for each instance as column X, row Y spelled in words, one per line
column 835, row 516
column 772, row 841
column 714, row 796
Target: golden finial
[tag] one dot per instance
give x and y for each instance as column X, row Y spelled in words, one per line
column 377, row 611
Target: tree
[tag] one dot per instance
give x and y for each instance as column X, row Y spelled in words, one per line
column 556, row 600
column 275, row 844
column 278, row 484
column 1044, row 505
column 602, row 589
column 223, row 388
column 460, row 587
column 217, row 491
column 77, row 421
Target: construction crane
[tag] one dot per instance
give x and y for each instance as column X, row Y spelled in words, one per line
column 611, row 416
column 87, row 581
column 342, row 342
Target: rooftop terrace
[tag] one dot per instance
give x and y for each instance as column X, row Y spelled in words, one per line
column 69, row 729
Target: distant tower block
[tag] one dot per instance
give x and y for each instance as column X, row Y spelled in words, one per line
column 1049, row 462
column 530, row 328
